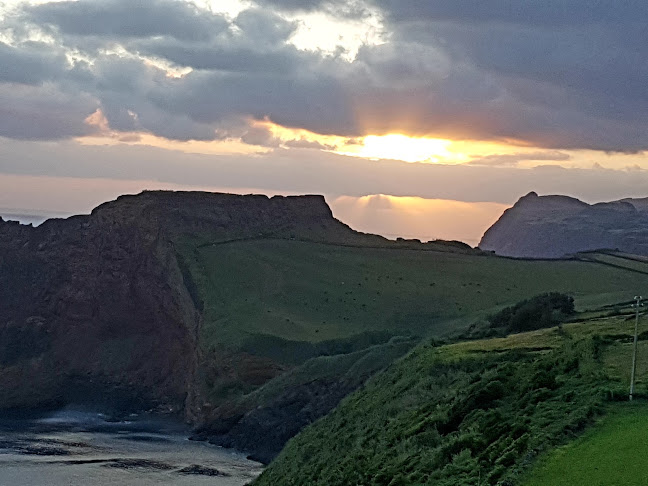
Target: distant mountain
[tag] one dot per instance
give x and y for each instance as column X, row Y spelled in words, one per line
column 555, row 226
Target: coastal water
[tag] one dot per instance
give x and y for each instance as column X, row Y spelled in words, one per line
column 72, row 448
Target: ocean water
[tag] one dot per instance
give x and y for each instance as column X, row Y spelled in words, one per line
column 72, row 448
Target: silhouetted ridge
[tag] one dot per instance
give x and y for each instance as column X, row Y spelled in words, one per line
column 555, row 226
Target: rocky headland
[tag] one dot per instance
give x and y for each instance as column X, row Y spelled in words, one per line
column 556, row 226
column 105, row 311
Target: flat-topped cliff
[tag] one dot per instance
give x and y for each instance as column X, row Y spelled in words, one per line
column 97, row 308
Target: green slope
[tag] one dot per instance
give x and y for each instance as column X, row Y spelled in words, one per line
column 271, row 306
column 613, row 452
column 471, row 413
column 310, row 292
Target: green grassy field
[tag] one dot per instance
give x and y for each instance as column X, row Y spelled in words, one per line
column 281, row 313
column 613, row 452
column 616, row 259
column 310, row 292
column 272, row 304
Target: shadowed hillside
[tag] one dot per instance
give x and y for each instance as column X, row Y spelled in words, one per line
column 481, row 412
column 555, row 226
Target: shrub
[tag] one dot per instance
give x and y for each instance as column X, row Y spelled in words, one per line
column 544, row 310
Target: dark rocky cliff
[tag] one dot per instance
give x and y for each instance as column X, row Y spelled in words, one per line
column 96, row 309
column 555, row 226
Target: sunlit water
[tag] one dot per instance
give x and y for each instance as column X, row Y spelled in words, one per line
column 78, row 449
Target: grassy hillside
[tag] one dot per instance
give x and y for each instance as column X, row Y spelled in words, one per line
column 310, row 292
column 274, row 308
column 611, row 452
column 262, row 421
column 478, row 412
column 271, row 304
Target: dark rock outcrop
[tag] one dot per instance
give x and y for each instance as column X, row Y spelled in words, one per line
column 98, row 308
column 555, row 226
column 111, row 310
column 265, row 420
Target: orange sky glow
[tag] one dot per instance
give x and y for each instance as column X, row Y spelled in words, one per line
column 407, row 217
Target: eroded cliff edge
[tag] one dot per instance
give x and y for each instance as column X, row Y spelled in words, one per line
column 97, row 309
column 248, row 316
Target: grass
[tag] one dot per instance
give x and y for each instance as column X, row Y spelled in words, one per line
column 352, row 368
column 480, row 411
column 612, row 452
column 305, row 291
column 620, row 260
column 273, row 304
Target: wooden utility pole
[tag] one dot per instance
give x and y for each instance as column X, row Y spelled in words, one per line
column 637, row 304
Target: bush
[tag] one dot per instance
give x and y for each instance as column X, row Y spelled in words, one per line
column 544, row 310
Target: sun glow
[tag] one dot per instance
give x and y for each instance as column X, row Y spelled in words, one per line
column 409, row 149
column 415, row 217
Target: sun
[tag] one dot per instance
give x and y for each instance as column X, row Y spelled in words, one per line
column 401, row 147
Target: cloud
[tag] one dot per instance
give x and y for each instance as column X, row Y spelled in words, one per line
column 260, row 135
column 569, row 73
column 121, row 19
column 43, row 113
column 232, row 59
column 343, row 8
column 557, row 75
column 31, row 63
column 550, row 14
column 310, row 171
column 512, row 160
column 379, row 202
column 307, row 144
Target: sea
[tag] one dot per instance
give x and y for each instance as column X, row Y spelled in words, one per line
column 81, row 448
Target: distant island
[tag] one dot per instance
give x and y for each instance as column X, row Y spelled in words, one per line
column 556, row 226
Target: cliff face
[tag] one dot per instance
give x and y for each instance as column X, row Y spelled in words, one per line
column 555, row 226
column 96, row 308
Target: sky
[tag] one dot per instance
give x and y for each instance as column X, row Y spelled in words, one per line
column 420, row 119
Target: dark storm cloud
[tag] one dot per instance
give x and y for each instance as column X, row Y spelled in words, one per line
column 218, row 58
column 256, row 44
column 247, row 70
column 30, row 63
column 571, row 73
column 564, row 75
column 43, row 113
column 311, row 101
column 549, row 13
column 261, row 25
column 128, row 18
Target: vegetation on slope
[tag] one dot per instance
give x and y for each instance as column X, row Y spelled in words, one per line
column 470, row 413
column 544, row 310
column 272, row 304
column 305, row 291
column 261, row 422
